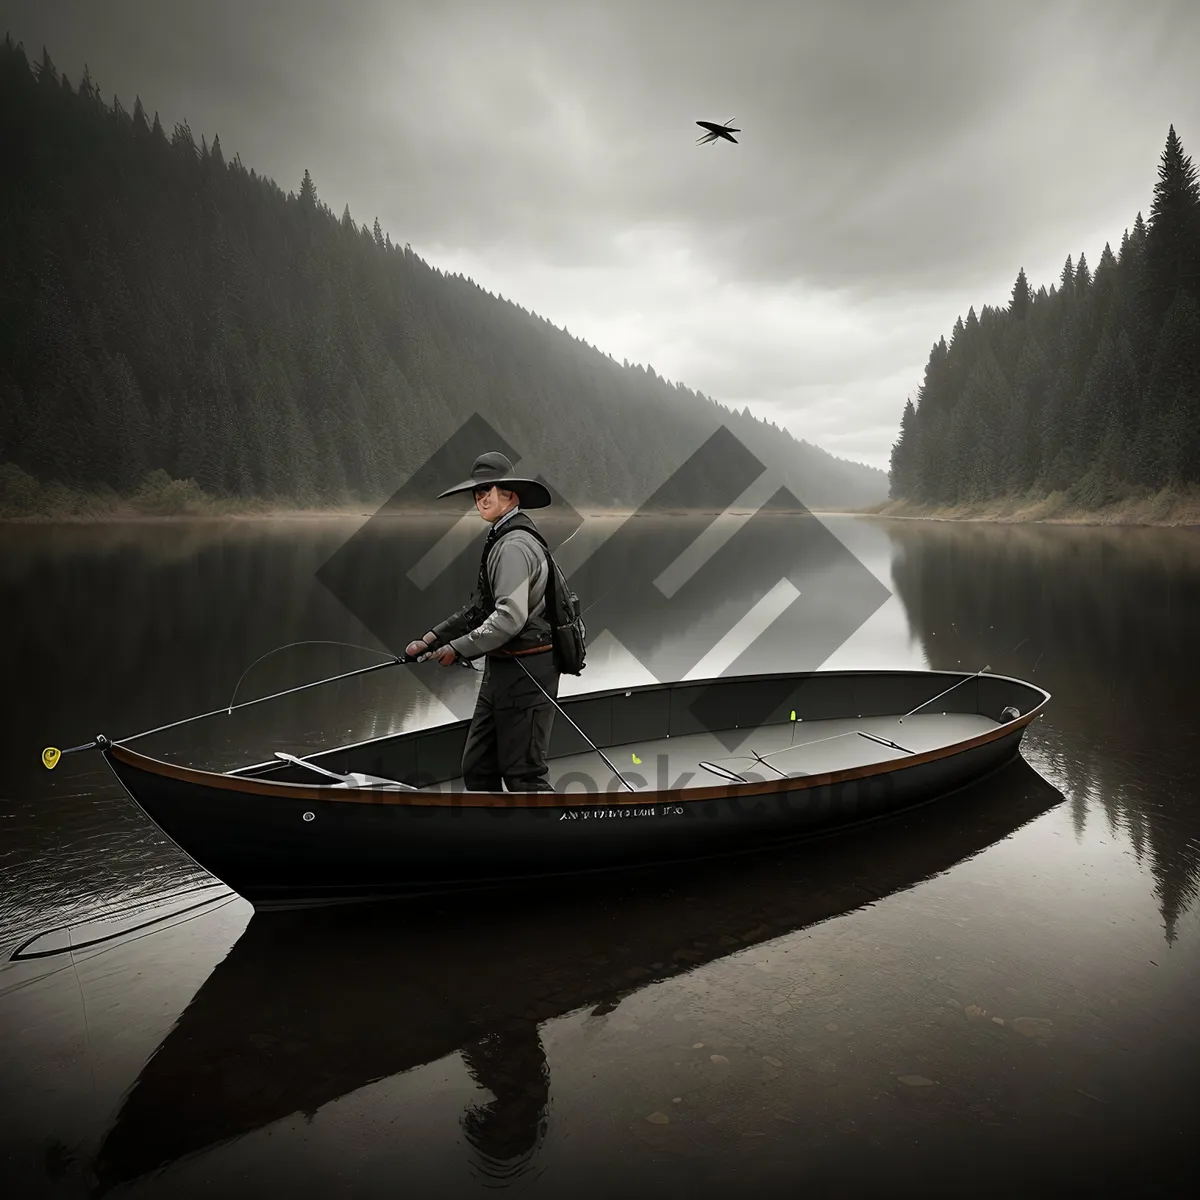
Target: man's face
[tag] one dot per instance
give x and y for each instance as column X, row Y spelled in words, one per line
column 492, row 503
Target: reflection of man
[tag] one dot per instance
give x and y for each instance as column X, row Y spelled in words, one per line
column 507, row 1133
column 509, row 736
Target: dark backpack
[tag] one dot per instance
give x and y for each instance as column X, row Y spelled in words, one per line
column 568, row 633
column 567, row 630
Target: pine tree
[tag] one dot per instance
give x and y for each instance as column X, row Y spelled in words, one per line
column 46, row 72
column 184, row 143
column 1066, row 279
column 308, row 193
column 1173, row 237
column 901, row 480
column 1083, row 276
column 1021, row 301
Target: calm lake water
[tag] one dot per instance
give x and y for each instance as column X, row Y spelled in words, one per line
column 996, row 992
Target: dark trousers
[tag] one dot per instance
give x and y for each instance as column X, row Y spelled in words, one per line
column 509, row 736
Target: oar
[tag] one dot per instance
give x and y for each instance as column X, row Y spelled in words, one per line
column 348, row 780
column 883, row 741
column 732, row 775
column 300, row 762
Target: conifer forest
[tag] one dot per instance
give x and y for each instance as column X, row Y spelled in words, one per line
column 1090, row 390
column 172, row 319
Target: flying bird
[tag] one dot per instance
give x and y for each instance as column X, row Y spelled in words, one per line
column 717, row 131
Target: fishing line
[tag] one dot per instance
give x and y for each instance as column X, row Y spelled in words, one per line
column 87, row 1030
column 218, row 903
column 151, row 898
column 947, row 691
column 18, row 956
column 50, row 755
column 306, row 642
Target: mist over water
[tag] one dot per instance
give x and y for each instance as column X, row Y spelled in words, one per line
column 1003, row 980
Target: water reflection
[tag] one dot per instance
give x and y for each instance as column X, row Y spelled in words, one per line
column 505, row 1132
column 1105, row 620
column 125, row 627
column 668, row 588
column 308, row 1007
column 129, row 626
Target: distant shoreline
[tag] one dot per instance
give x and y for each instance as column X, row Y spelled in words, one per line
column 1181, row 514
column 1165, row 509
column 1158, row 510
column 133, row 517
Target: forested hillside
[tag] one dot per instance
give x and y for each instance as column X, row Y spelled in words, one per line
column 1090, row 389
column 162, row 308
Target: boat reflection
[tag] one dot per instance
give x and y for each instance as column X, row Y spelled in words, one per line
column 310, row 1006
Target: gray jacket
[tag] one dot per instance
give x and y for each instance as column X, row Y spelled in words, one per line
column 518, row 572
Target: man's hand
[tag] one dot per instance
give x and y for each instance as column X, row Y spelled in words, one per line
column 446, row 655
column 420, row 646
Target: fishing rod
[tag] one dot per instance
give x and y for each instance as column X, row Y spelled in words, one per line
column 947, row 691
column 576, row 727
column 556, row 704
column 51, row 755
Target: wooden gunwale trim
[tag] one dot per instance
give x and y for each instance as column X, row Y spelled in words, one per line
column 290, row 791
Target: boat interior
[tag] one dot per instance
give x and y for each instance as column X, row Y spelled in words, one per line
column 702, row 734
column 776, row 751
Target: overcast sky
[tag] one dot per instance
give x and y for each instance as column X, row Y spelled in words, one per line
column 898, row 161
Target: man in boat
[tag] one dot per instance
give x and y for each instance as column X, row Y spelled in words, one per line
column 509, row 735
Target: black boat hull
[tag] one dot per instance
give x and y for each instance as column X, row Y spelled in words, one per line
column 283, row 845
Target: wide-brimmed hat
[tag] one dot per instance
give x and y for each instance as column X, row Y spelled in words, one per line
column 495, row 468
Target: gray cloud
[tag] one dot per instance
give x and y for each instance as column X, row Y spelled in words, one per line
column 899, row 161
